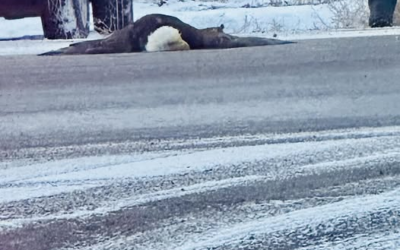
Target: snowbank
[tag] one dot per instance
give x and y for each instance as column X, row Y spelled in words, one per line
column 238, row 16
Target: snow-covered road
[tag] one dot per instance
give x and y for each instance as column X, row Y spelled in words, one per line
column 334, row 188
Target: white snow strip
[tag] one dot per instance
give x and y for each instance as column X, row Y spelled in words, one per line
column 69, row 166
column 140, row 199
column 365, row 132
column 199, row 161
column 9, row 194
column 367, row 32
column 34, row 47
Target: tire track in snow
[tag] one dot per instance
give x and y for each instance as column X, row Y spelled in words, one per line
column 174, row 232
column 300, row 228
column 140, row 200
column 261, row 170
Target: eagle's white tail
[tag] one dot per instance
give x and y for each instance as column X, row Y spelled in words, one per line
column 166, row 38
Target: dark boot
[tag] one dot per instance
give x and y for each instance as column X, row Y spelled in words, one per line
column 381, row 12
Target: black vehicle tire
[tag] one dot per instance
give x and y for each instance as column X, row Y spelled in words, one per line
column 66, row 19
column 110, row 15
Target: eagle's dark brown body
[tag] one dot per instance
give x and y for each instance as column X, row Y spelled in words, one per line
column 133, row 38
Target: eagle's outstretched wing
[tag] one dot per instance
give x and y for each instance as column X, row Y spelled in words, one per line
column 118, row 42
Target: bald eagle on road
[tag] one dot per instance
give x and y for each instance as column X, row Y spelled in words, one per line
column 158, row 32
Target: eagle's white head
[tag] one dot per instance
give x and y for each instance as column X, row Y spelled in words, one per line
column 166, row 38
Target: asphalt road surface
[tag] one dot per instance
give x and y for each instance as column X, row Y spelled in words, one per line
column 281, row 147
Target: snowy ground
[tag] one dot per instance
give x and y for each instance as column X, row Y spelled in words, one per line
column 354, row 161
column 238, row 16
